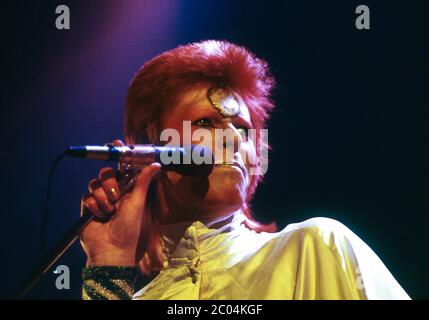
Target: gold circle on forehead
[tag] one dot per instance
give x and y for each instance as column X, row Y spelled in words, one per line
column 225, row 101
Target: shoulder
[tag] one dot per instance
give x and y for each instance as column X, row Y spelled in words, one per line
column 319, row 224
column 330, row 245
column 317, row 237
column 319, row 229
column 322, row 239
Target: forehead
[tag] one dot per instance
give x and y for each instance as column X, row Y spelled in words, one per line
column 194, row 103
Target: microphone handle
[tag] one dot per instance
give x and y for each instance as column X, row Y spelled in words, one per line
column 126, row 179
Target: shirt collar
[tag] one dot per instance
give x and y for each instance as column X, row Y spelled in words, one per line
column 200, row 229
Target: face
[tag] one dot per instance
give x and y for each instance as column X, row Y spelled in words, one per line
column 224, row 190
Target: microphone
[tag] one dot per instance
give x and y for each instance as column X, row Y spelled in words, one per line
column 192, row 160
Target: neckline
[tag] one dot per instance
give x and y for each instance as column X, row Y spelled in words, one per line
column 205, row 228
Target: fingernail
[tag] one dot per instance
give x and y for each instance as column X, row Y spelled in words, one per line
column 114, row 192
column 156, row 165
column 108, row 174
column 95, row 184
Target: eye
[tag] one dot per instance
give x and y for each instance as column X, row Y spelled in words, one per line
column 203, row 122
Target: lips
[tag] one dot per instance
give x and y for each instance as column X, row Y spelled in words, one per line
column 233, row 164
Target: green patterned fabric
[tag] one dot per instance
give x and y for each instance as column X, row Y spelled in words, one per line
column 108, row 283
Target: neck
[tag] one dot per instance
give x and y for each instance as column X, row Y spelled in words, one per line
column 170, row 210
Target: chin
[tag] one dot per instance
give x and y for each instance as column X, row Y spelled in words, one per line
column 227, row 193
column 222, row 192
column 226, row 198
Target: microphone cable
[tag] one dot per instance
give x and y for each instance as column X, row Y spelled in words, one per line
column 45, row 212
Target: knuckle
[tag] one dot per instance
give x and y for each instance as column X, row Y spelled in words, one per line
column 117, row 143
column 112, row 192
column 94, row 184
column 107, row 174
column 91, row 204
column 87, row 199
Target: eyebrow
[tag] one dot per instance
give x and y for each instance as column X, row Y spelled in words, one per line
column 205, row 111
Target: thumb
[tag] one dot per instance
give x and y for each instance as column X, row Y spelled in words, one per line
column 141, row 186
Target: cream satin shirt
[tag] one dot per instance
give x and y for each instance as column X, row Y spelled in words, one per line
column 319, row 258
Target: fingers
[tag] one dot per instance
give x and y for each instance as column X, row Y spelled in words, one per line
column 90, row 203
column 109, row 184
column 138, row 195
column 102, row 200
column 118, row 143
column 104, row 192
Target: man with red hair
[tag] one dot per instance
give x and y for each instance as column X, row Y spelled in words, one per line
column 195, row 236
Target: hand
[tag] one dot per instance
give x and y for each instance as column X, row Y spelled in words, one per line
column 112, row 239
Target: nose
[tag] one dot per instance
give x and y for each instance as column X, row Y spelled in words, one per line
column 233, row 138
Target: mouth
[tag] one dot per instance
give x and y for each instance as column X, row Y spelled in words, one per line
column 233, row 165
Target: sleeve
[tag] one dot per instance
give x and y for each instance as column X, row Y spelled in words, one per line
column 358, row 265
column 108, row 282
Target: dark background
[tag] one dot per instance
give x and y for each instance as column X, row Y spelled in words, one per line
column 349, row 135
